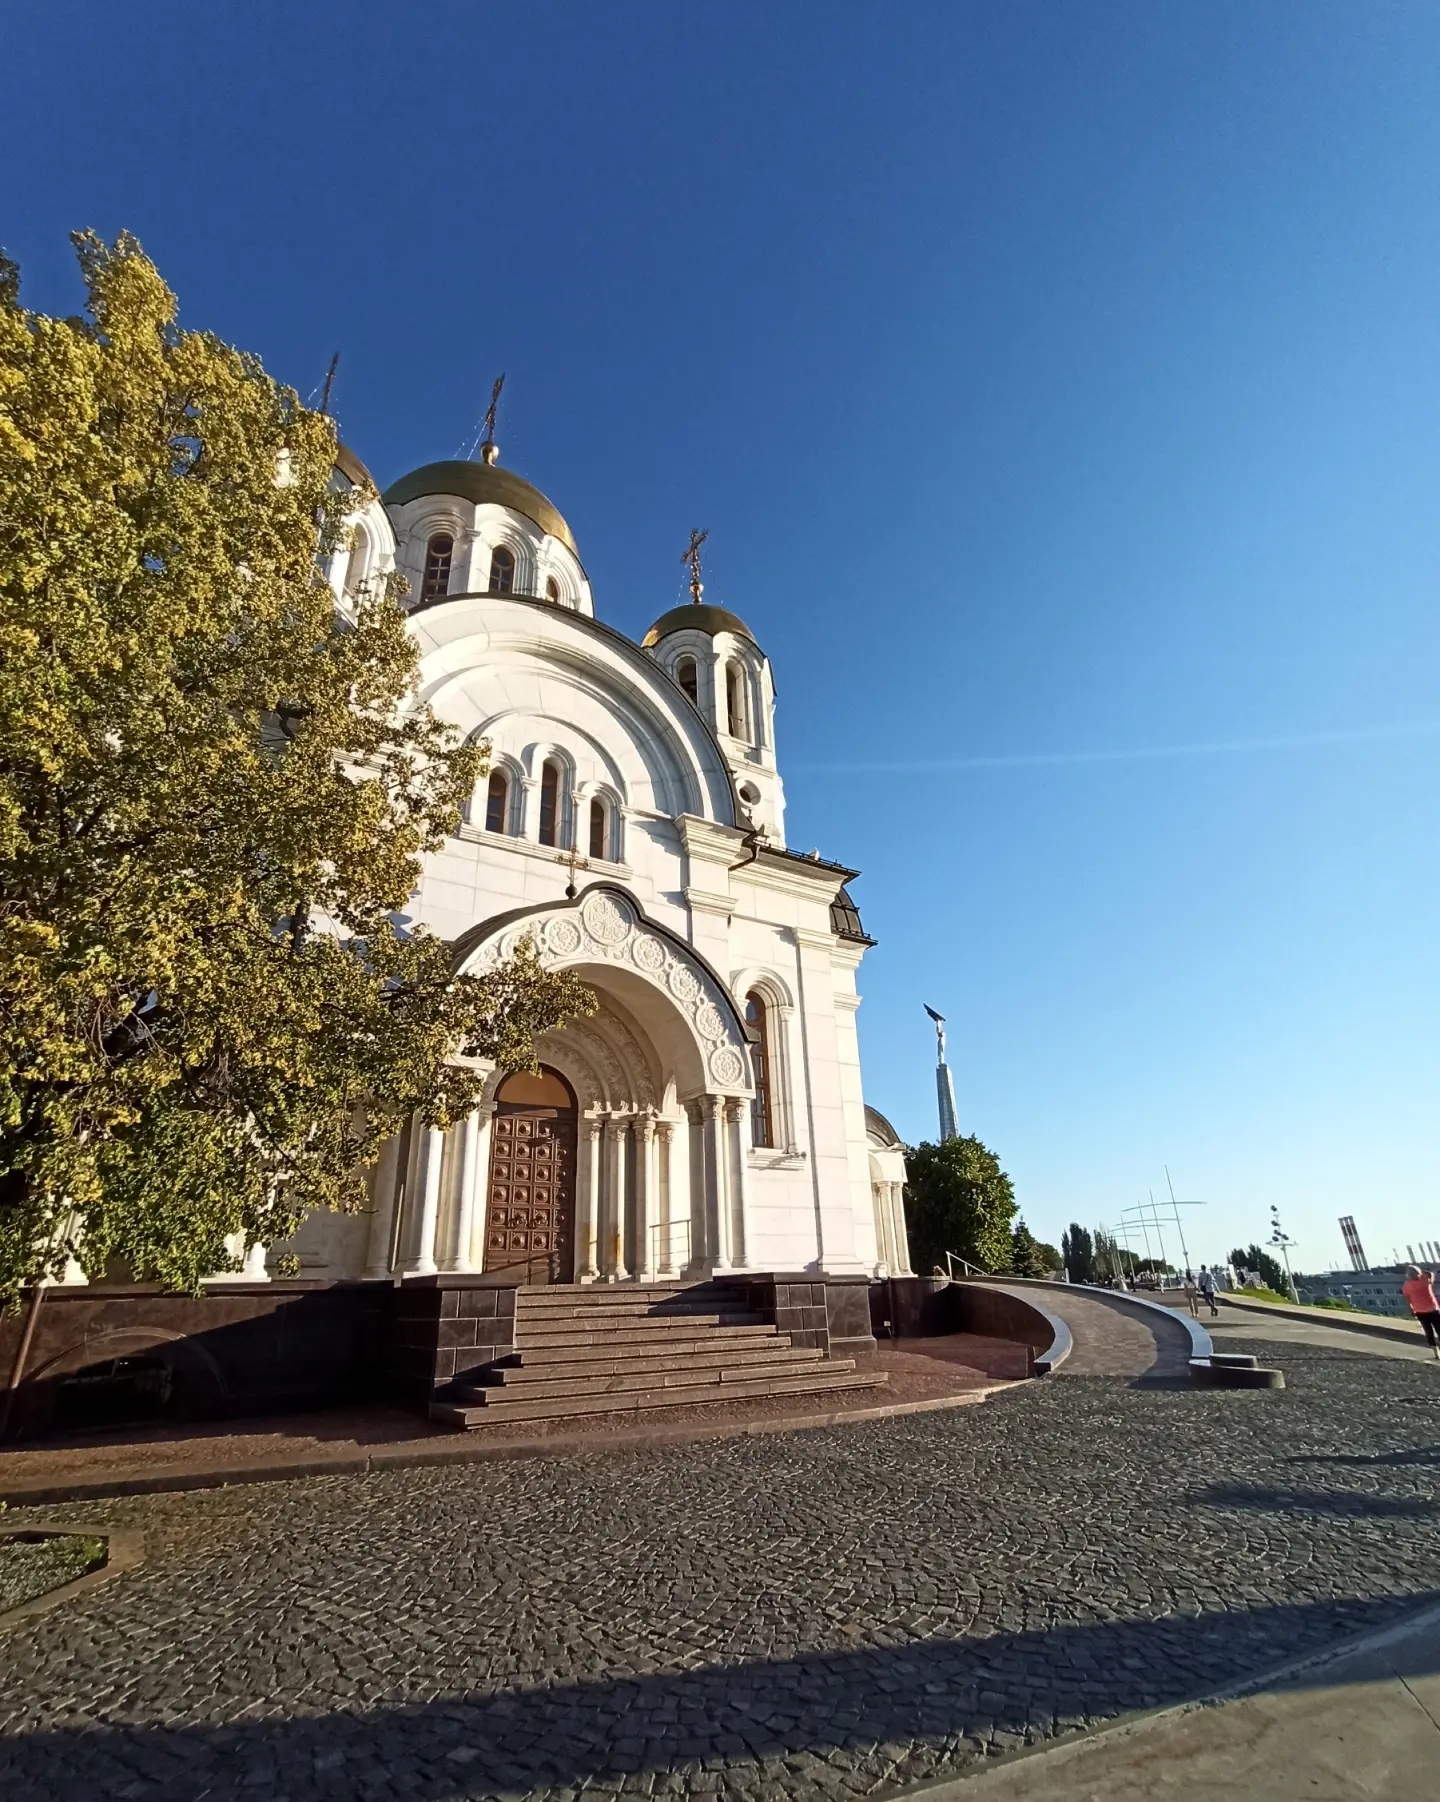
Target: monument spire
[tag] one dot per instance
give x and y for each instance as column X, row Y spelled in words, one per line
column 944, row 1086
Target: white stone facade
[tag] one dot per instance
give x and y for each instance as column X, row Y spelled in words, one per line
column 637, row 836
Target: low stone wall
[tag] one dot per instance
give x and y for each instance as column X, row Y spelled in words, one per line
column 999, row 1315
column 445, row 1329
column 830, row 1314
column 238, row 1348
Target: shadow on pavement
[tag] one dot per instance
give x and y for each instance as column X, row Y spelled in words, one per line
column 771, row 1726
column 1421, row 1454
column 1316, row 1501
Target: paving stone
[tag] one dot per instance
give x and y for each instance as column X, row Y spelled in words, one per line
column 793, row 1618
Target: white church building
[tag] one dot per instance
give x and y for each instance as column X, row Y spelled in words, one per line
column 710, row 1116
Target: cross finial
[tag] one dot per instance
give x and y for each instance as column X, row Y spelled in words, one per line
column 329, row 383
column 692, row 557
column 487, row 446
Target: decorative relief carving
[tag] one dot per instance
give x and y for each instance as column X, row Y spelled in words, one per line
column 607, row 926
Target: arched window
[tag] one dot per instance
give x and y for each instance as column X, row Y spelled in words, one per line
column 685, row 675
column 550, row 804
column 552, row 589
column 735, row 700
column 502, row 570
column 438, row 553
column 757, row 1028
column 358, row 566
column 497, row 802
column 599, row 829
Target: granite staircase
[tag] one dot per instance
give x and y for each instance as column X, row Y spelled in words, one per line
column 583, row 1350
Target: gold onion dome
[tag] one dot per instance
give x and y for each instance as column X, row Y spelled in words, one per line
column 484, row 484
column 696, row 616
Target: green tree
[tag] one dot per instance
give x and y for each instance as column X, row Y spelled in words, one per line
column 1077, row 1249
column 1028, row 1257
column 214, row 796
column 1270, row 1270
column 958, row 1199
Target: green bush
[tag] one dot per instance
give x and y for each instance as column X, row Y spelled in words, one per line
column 1258, row 1294
column 1338, row 1301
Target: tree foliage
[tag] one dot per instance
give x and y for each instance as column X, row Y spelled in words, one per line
column 1077, row 1249
column 958, row 1199
column 1270, row 1270
column 214, row 795
column 1028, row 1256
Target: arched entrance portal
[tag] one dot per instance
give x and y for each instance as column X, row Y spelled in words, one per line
column 530, row 1206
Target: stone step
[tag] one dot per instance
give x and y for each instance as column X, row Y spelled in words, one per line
column 664, row 1352
column 499, row 1407
column 525, row 1383
column 597, row 1294
column 677, row 1334
column 547, row 1363
column 624, row 1319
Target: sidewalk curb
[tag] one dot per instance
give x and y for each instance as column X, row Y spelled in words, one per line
column 180, row 1479
column 124, row 1551
column 1067, row 1746
column 1376, row 1325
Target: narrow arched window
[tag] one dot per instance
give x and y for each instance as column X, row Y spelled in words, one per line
column 438, row 554
column 552, row 589
column 502, row 570
column 735, row 700
column 550, row 805
column 497, row 802
column 599, row 833
column 757, row 1030
column 358, row 565
column 686, row 676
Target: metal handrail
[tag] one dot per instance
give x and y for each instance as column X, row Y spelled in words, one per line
column 953, row 1258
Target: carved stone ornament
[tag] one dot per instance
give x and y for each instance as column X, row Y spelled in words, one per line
column 607, row 927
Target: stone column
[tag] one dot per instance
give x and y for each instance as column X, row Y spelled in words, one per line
column 644, row 1259
column 432, row 1156
column 737, row 1116
column 384, row 1192
column 612, row 1213
column 717, row 1186
column 587, row 1200
column 899, row 1231
column 457, row 1258
column 699, row 1205
column 884, row 1250
column 664, row 1139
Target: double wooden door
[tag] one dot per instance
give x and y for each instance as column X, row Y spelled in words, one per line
column 530, row 1214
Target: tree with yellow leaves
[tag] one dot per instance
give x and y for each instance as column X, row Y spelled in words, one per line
column 214, row 794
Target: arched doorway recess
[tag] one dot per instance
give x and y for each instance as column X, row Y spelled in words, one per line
column 530, row 1197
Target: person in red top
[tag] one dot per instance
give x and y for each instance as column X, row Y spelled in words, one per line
column 1419, row 1290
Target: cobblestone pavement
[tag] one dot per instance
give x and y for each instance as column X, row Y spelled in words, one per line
column 800, row 1616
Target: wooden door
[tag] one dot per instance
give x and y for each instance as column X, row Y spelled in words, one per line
column 530, row 1214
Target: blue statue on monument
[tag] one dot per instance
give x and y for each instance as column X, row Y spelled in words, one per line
column 944, row 1087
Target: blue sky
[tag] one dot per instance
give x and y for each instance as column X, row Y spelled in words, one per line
column 1061, row 388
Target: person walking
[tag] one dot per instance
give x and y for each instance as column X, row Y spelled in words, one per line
column 1192, row 1294
column 1419, row 1290
column 1207, row 1289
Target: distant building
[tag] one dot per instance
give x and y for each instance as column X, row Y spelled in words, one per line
column 1373, row 1291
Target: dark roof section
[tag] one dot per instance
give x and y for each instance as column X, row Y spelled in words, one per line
column 351, row 467
column 845, row 919
column 484, row 484
column 876, row 1123
column 691, row 618
column 812, row 859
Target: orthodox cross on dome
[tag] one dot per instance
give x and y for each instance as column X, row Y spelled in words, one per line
column 574, row 861
column 692, row 557
column 488, row 448
column 329, row 384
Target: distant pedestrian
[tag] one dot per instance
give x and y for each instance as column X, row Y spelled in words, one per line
column 1419, row 1290
column 1207, row 1288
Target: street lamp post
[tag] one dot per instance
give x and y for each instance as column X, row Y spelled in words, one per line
column 1279, row 1237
